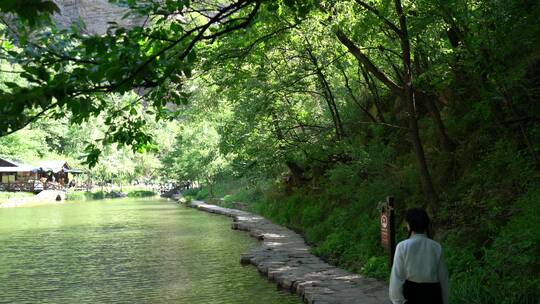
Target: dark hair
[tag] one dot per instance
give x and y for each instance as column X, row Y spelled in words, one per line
column 418, row 220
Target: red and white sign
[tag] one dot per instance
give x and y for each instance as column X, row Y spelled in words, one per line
column 384, row 221
column 385, row 240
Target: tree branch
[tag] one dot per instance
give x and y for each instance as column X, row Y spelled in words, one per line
column 227, row 11
column 29, row 121
column 243, row 24
column 376, row 12
column 364, row 60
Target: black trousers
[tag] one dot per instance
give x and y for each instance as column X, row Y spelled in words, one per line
column 422, row 293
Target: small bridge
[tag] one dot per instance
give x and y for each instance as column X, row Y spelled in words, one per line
column 50, row 195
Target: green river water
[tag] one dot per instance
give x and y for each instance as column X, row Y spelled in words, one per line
column 126, row 251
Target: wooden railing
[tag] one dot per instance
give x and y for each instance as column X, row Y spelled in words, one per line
column 17, row 186
column 30, row 186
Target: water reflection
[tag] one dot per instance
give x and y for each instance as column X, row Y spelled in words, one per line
column 125, row 251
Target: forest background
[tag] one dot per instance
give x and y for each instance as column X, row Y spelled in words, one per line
column 311, row 112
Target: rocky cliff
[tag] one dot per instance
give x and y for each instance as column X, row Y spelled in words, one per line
column 95, row 14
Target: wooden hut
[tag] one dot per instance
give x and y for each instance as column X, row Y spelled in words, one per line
column 56, row 171
column 49, row 174
column 15, row 176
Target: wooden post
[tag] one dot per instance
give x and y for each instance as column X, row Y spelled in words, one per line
column 390, row 202
column 388, row 231
column 88, row 181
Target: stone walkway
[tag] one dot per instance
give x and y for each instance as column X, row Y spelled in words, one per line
column 284, row 257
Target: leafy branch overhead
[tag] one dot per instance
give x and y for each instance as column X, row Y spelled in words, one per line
column 30, row 11
column 74, row 68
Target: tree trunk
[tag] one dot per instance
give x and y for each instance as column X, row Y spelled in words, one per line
column 296, row 173
column 328, row 96
column 445, row 142
column 372, row 86
column 406, row 91
column 351, row 93
column 210, row 187
column 408, row 94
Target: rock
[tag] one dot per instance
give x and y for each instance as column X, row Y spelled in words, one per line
column 115, row 194
column 96, row 15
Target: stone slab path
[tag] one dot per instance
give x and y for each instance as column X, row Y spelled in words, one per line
column 284, row 258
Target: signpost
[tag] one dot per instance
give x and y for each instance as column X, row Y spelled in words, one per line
column 388, row 234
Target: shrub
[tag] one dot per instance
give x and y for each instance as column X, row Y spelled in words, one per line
column 185, row 199
column 202, row 194
column 96, row 195
column 141, row 193
column 76, row 196
column 191, row 192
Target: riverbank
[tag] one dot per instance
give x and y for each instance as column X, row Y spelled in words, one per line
column 285, row 258
column 6, row 196
column 51, row 197
column 42, row 198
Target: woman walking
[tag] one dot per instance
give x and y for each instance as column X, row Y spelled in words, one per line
column 419, row 274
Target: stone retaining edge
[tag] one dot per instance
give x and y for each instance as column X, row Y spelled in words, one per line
column 284, row 258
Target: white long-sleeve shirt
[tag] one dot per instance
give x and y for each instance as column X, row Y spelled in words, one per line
column 418, row 259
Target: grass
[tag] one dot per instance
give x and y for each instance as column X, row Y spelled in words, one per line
column 130, row 188
column 132, row 191
column 76, row 196
column 141, row 193
column 5, row 196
